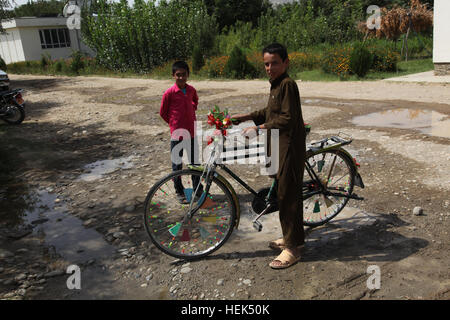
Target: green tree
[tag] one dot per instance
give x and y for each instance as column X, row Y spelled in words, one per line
column 146, row 35
column 198, row 60
column 40, row 8
column 4, row 12
column 361, row 60
column 238, row 66
column 228, row 12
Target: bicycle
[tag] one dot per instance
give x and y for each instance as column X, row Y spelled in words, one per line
column 201, row 226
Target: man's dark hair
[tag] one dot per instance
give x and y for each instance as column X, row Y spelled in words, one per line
column 180, row 65
column 276, row 48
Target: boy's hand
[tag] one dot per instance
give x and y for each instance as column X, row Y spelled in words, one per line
column 249, row 131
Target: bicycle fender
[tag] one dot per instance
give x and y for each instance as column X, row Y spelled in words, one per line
column 229, row 186
column 358, row 179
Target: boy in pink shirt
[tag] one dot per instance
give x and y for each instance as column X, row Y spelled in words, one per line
column 178, row 107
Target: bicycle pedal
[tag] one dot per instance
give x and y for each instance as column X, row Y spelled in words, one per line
column 356, row 197
column 257, row 225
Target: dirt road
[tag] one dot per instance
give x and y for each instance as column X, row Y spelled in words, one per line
column 75, row 174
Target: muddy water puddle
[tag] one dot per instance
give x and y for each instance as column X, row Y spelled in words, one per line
column 348, row 220
column 426, row 121
column 98, row 169
column 62, row 232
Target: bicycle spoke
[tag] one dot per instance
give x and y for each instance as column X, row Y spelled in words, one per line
column 168, row 223
column 333, row 173
column 336, row 181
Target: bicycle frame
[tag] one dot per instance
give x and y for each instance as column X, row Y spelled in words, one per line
column 228, row 185
column 322, row 189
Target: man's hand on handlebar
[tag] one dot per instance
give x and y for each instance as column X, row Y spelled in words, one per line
column 250, row 131
column 237, row 119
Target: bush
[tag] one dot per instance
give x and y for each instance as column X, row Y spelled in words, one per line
column 77, row 63
column 197, row 60
column 238, row 67
column 337, row 61
column 58, row 66
column 255, row 58
column 360, row 61
column 384, row 59
column 45, row 61
column 301, row 61
column 215, row 66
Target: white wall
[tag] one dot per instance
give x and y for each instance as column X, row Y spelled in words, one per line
column 441, row 39
column 33, row 50
column 22, row 42
column 11, row 46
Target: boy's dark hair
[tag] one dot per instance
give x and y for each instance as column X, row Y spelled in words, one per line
column 276, row 48
column 180, row 65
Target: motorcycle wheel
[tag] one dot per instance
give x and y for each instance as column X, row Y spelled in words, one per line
column 15, row 114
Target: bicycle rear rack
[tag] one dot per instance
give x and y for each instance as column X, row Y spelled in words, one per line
column 330, row 142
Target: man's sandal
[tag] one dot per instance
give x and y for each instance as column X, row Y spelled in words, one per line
column 284, row 260
column 277, row 245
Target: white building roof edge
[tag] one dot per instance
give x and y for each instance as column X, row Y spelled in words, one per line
column 33, row 22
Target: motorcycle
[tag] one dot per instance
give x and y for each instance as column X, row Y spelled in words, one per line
column 12, row 106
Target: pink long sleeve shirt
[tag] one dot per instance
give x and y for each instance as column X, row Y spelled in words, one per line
column 178, row 109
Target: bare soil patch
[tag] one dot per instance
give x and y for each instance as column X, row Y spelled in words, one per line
column 75, row 122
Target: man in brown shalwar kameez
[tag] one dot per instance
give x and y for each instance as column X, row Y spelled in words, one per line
column 283, row 112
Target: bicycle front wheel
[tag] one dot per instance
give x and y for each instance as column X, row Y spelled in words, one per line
column 167, row 208
column 323, row 201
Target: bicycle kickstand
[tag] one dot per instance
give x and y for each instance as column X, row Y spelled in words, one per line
column 258, row 225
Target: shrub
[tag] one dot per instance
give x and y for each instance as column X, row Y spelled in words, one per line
column 238, row 67
column 215, row 66
column 197, row 60
column 255, row 58
column 337, row 61
column 384, row 59
column 301, row 61
column 360, row 60
column 77, row 63
column 45, row 61
column 58, row 66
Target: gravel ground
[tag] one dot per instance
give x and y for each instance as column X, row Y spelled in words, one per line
column 56, row 210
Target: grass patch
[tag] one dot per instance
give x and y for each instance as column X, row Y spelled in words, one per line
column 403, row 68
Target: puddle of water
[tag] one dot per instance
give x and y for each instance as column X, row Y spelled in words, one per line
column 64, row 232
column 102, row 167
column 346, row 221
column 429, row 122
column 271, row 228
column 309, row 101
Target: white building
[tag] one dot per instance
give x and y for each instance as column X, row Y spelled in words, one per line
column 441, row 38
column 29, row 38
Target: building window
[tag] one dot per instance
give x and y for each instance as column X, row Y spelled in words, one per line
column 54, row 38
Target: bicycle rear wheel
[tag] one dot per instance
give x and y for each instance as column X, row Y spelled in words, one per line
column 336, row 173
column 166, row 221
